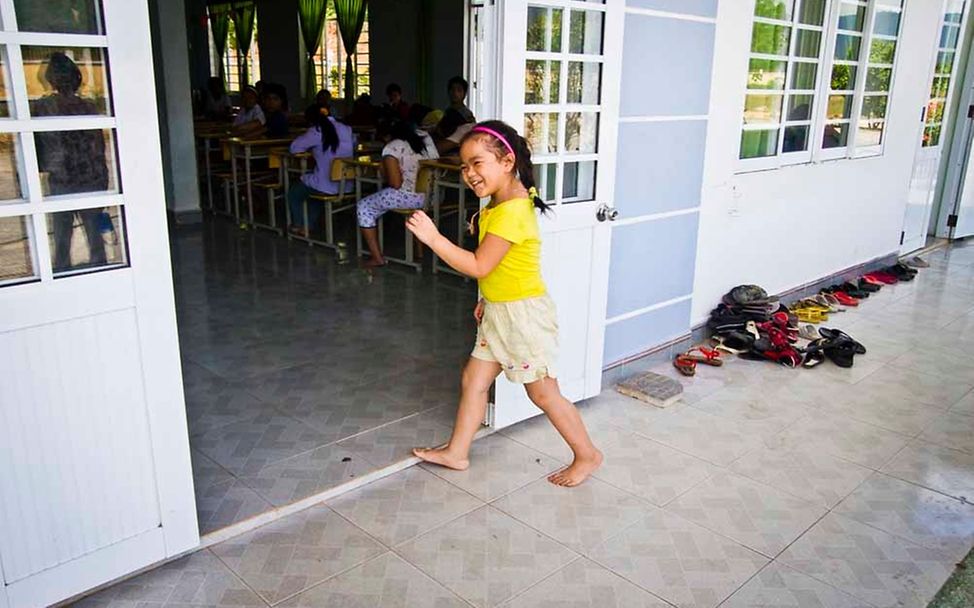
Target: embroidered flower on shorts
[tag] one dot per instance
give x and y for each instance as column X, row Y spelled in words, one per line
column 483, row 343
column 510, row 366
column 525, row 366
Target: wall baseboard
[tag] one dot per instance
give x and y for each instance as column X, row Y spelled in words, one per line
column 614, row 372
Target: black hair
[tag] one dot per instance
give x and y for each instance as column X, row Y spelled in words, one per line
column 460, row 80
column 417, row 112
column 406, row 131
column 523, row 166
column 273, row 88
column 63, row 73
column 319, row 119
column 393, row 88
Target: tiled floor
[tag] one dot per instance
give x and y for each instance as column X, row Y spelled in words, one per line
column 301, row 374
column 766, row 487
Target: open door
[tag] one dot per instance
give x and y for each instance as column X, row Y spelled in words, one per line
column 559, row 76
column 95, row 476
column 936, row 115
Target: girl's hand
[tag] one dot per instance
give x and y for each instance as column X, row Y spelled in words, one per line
column 422, row 226
column 478, row 311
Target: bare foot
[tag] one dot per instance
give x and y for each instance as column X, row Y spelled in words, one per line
column 442, row 457
column 373, row 263
column 577, row 472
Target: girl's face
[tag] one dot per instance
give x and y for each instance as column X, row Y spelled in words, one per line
column 483, row 170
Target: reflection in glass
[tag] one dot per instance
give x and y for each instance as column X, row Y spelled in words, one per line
column 931, row 136
column 807, row 43
column 939, row 88
column 770, row 39
column 762, row 109
column 870, row 132
column 935, row 111
column 874, row 106
column 954, row 11
column 851, row 17
column 16, row 260
column 800, row 107
column 73, row 162
column 4, row 78
column 945, row 63
column 10, row 186
column 803, row 76
column 847, row 47
column 584, row 81
column 812, row 12
column 544, row 29
column 578, row 181
column 839, row 106
column 581, row 132
column 843, row 77
column 882, row 51
column 59, row 16
column 835, row 136
column 542, row 80
column 541, row 131
column 878, row 79
column 86, row 238
column 887, row 21
column 585, row 35
column 755, row 144
column 775, row 9
column 795, row 139
column 949, row 36
column 66, row 81
column 766, row 74
column 544, row 179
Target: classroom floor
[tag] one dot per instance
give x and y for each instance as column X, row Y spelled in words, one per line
column 301, row 374
column 764, row 487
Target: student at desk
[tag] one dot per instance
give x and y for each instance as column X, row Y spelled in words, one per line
column 405, row 147
column 250, row 121
column 275, row 110
column 326, row 139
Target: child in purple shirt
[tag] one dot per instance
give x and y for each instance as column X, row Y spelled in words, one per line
column 327, row 139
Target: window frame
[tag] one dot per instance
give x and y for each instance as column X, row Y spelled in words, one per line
column 816, row 153
column 361, row 48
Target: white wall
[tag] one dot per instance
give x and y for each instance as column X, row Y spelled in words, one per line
column 786, row 227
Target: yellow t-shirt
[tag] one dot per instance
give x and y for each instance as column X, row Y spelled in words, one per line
column 518, row 276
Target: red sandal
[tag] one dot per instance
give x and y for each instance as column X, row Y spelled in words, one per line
column 707, row 356
column 685, row 365
column 844, row 298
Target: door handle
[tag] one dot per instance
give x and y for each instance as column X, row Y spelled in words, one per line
column 605, row 212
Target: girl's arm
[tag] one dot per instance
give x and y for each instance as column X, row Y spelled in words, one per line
column 477, row 264
column 390, row 167
column 306, row 141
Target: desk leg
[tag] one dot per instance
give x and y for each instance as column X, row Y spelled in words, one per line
column 236, row 186
column 358, row 229
column 209, row 174
column 250, row 193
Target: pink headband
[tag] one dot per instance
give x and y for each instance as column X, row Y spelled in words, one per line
column 500, row 137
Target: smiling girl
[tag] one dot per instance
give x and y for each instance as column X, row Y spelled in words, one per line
column 518, row 328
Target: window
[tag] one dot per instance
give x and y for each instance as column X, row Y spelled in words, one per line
column 231, row 59
column 562, row 99
column 950, row 34
column 330, row 58
column 819, row 78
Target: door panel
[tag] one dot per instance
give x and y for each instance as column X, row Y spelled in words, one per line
column 95, row 477
column 561, row 77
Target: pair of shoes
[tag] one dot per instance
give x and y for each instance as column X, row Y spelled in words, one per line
column 867, row 287
column 902, row 272
column 881, row 277
column 839, row 347
column 917, row 262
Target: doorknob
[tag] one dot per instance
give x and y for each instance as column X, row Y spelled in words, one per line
column 605, row 212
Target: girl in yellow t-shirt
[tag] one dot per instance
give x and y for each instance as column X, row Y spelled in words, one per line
column 518, row 328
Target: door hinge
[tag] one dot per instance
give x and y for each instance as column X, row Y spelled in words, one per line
column 970, row 111
column 951, row 221
column 902, row 236
column 489, row 418
column 923, row 114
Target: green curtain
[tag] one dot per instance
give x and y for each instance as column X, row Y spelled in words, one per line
column 351, row 17
column 244, row 16
column 220, row 24
column 311, row 14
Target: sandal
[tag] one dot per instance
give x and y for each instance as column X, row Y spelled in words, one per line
column 835, row 335
column 814, row 353
column 806, row 315
column 685, row 365
column 808, row 332
column 853, row 290
column 840, row 352
column 735, row 342
column 867, row 287
column 707, row 356
column 845, row 298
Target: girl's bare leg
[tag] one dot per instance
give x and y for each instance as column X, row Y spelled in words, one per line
column 562, row 413
column 478, row 376
column 372, row 242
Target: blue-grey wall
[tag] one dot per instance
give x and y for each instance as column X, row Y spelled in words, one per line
column 666, row 75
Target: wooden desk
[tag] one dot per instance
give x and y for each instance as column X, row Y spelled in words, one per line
column 209, row 138
column 247, row 146
column 447, row 176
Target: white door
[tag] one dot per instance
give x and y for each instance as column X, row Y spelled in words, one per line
column 559, row 84
column 926, row 164
column 95, row 478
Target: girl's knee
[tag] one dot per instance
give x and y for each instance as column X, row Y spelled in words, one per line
column 543, row 393
column 472, row 382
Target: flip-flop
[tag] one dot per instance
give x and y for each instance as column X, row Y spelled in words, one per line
column 814, row 355
column 685, row 365
column 707, row 356
column 808, row 332
column 840, row 352
column 735, row 342
column 835, row 335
